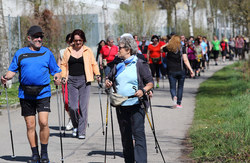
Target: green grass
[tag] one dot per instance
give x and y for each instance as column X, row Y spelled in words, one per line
column 221, row 126
column 13, row 93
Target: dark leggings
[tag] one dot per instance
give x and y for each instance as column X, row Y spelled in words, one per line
column 155, row 68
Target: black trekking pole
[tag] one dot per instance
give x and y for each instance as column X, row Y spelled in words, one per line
column 153, row 124
column 142, row 101
column 100, row 86
column 106, row 131
column 112, row 128
column 11, row 137
column 59, row 119
column 60, row 99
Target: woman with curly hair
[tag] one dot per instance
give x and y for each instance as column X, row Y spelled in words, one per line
column 154, row 57
column 176, row 58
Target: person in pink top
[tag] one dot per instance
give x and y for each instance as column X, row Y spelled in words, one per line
column 191, row 54
column 108, row 53
column 240, row 47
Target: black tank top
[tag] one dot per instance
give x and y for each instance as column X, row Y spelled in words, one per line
column 76, row 66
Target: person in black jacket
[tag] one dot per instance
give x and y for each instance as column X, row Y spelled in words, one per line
column 131, row 77
column 176, row 58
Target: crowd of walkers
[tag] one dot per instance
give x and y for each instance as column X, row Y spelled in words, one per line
column 127, row 67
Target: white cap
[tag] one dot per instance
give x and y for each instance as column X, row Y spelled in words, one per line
column 126, row 35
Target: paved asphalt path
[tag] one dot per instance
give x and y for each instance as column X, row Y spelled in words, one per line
column 171, row 126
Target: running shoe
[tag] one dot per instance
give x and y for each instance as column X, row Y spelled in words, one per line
column 69, row 126
column 44, row 161
column 35, row 159
column 74, row 132
column 81, row 137
column 179, row 106
column 174, row 103
column 157, row 85
column 44, row 158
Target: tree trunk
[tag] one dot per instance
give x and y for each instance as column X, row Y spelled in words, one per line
column 190, row 23
column 209, row 20
column 4, row 56
column 193, row 7
column 175, row 18
column 37, row 4
column 169, row 20
column 105, row 14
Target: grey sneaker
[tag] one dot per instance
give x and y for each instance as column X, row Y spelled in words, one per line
column 74, row 132
column 81, row 137
column 69, row 126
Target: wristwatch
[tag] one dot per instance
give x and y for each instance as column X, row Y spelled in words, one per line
column 143, row 90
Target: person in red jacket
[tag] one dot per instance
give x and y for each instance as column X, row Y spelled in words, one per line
column 154, row 58
column 108, row 53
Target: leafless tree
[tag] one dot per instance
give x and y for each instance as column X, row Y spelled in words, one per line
column 4, row 56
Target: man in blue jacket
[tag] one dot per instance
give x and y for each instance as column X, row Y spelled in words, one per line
column 35, row 63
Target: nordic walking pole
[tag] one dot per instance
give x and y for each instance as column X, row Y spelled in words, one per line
column 11, row 137
column 151, row 111
column 154, row 135
column 60, row 99
column 112, row 128
column 63, row 94
column 59, row 119
column 142, row 101
column 106, row 131
column 100, row 86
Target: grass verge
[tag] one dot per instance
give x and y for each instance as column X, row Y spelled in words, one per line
column 221, row 126
column 13, row 93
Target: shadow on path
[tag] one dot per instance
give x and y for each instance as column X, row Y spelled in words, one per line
column 109, row 153
column 17, row 158
column 162, row 106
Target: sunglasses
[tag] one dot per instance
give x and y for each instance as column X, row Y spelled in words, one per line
column 78, row 40
column 38, row 36
column 120, row 47
column 155, row 39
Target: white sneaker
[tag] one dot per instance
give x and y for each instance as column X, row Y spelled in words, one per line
column 81, row 137
column 69, row 126
column 174, row 103
column 74, row 132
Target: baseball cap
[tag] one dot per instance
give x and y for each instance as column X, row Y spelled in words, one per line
column 34, row 29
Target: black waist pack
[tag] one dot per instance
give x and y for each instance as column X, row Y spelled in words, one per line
column 156, row 60
column 32, row 89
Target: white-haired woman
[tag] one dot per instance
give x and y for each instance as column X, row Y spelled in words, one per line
column 131, row 77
